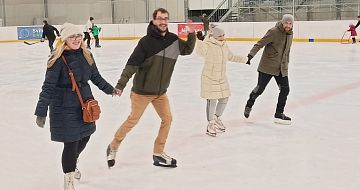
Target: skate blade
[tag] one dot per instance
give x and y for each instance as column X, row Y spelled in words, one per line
column 77, row 178
column 164, row 165
column 211, row 134
column 219, row 130
column 282, row 122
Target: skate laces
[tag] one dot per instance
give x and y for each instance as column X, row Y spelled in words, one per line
column 219, row 122
column 112, row 154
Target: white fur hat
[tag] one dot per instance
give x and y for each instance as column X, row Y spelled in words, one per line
column 287, row 18
column 68, row 29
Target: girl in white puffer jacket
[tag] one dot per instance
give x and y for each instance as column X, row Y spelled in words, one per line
column 214, row 83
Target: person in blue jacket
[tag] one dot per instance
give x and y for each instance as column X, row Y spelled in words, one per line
column 65, row 112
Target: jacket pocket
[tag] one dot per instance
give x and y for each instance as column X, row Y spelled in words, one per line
column 271, row 52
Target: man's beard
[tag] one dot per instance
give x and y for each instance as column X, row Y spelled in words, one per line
column 162, row 31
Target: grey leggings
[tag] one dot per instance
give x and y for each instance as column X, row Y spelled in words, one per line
column 215, row 106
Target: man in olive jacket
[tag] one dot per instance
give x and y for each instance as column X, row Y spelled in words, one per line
column 153, row 62
column 274, row 63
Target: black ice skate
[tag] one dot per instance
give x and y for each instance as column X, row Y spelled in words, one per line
column 247, row 112
column 110, row 155
column 164, row 160
column 281, row 118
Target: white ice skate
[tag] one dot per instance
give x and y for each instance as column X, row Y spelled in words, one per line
column 110, row 155
column 77, row 174
column 211, row 131
column 219, row 125
column 69, row 181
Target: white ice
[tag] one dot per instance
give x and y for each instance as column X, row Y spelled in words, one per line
column 319, row 151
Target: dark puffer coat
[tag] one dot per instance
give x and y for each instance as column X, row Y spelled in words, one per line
column 66, row 123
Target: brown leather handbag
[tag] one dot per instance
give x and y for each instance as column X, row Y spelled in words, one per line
column 91, row 109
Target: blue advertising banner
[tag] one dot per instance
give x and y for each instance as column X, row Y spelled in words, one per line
column 30, row 32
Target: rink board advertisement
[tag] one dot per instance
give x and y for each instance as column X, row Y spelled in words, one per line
column 31, row 32
column 184, row 28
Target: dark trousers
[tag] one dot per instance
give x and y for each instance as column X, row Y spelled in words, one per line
column 51, row 42
column 96, row 40
column 88, row 38
column 263, row 80
column 71, row 153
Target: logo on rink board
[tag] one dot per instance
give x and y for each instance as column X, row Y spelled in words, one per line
column 31, row 32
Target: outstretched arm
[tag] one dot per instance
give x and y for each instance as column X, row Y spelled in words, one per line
column 268, row 38
column 236, row 58
column 57, row 31
column 201, row 48
column 187, row 47
column 135, row 60
column 357, row 24
column 99, row 81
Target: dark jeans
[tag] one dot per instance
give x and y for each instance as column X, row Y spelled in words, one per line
column 263, row 80
column 71, row 153
column 51, row 42
column 88, row 38
column 96, row 40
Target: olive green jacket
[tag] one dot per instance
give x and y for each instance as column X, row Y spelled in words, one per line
column 275, row 58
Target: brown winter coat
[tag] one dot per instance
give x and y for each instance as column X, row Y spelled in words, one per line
column 275, row 57
column 214, row 83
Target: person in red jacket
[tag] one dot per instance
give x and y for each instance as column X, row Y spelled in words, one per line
column 352, row 30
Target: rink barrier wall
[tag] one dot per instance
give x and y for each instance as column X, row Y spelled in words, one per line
column 304, row 31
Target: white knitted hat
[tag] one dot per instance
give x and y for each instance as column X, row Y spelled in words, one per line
column 216, row 32
column 287, row 18
column 68, row 29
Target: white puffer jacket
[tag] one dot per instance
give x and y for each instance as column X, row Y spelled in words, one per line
column 214, row 83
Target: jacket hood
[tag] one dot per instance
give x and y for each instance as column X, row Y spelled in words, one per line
column 212, row 40
column 154, row 31
column 281, row 28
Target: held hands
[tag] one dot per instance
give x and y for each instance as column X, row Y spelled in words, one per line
column 116, row 92
column 249, row 58
column 40, row 121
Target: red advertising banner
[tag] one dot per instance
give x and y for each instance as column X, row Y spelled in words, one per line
column 184, row 28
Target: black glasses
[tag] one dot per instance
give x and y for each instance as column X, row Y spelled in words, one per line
column 166, row 19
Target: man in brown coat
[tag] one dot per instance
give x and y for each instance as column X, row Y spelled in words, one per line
column 274, row 63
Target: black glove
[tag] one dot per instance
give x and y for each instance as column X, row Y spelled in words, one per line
column 249, row 58
column 40, row 121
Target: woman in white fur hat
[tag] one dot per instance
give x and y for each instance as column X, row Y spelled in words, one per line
column 214, row 83
column 65, row 111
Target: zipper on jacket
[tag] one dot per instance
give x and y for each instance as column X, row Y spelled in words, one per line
column 162, row 69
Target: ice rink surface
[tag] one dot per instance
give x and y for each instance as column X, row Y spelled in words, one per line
column 319, row 151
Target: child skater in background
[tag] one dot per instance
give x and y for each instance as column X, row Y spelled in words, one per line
column 352, row 30
column 95, row 30
column 214, row 84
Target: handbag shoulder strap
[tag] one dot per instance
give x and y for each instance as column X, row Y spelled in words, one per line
column 73, row 83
